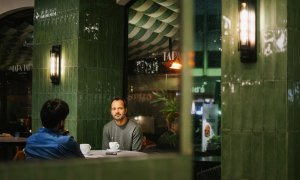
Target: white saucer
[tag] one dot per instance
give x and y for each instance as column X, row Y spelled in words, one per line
column 111, row 150
column 92, row 156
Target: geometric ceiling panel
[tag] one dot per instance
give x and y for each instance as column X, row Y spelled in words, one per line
column 151, row 23
column 151, row 26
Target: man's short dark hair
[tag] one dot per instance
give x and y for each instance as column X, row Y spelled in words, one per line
column 53, row 112
column 120, row 99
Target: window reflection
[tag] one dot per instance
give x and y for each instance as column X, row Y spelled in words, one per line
column 206, row 110
column 16, row 72
column 149, row 73
column 153, row 45
column 275, row 41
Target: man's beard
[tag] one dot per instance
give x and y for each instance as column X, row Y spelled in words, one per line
column 118, row 118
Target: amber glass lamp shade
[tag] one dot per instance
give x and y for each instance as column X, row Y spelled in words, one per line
column 247, row 30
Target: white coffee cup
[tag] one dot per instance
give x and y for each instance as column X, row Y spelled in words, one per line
column 114, row 145
column 85, row 148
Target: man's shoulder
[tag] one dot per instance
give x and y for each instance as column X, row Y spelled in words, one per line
column 134, row 126
column 109, row 124
column 132, row 123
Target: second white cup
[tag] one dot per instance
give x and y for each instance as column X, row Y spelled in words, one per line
column 85, row 148
column 114, row 145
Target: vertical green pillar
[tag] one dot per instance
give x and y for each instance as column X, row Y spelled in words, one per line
column 293, row 88
column 100, row 65
column 91, row 34
column 260, row 101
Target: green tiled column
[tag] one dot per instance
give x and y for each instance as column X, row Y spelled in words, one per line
column 260, row 101
column 91, row 34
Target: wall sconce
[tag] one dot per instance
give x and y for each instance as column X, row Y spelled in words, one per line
column 247, row 33
column 55, row 64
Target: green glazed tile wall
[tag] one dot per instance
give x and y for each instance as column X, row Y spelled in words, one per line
column 92, row 39
column 56, row 22
column 293, row 87
column 260, row 101
column 100, row 66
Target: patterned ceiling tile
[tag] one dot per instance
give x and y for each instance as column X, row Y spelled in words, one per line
column 152, row 23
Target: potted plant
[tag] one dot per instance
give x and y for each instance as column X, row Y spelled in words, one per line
column 170, row 104
column 214, row 144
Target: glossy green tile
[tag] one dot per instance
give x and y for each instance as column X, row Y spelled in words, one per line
column 236, row 103
column 72, row 127
column 92, row 77
column 229, row 11
column 269, row 64
column 291, row 105
column 294, row 52
column 295, row 124
column 249, row 71
column 65, row 53
column 257, row 106
column 79, row 130
column 292, row 56
column 282, row 151
column 280, row 114
column 269, row 155
column 293, row 155
column 226, row 157
column 268, row 17
column 92, row 132
column 226, row 60
column 240, row 155
column 246, row 93
column 269, row 116
column 82, row 79
column 274, row 94
column 82, row 106
column 281, row 66
column 256, row 169
column 281, row 13
column 226, row 108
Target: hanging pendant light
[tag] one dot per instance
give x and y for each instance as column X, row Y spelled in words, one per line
column 174, row 61
column 176, row 65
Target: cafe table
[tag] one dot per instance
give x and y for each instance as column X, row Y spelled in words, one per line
column 17, row 141
column 9, row 145
column 120, row 153
column 205, row 163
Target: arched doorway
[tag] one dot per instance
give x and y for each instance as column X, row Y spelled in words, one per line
column 16, row 71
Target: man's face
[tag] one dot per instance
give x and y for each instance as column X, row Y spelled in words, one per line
column 118, row 111
column 207, row 131
column 175, row 126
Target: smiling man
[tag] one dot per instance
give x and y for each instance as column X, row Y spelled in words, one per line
column 122, row 130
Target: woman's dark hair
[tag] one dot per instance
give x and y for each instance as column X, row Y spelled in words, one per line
column 120, row 99
column 53, row 112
